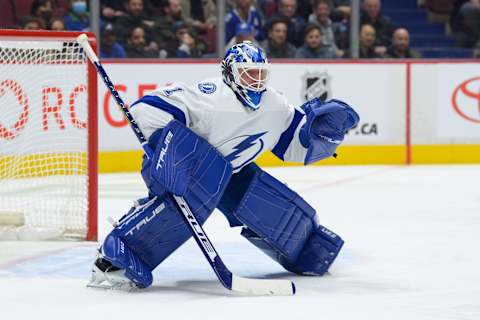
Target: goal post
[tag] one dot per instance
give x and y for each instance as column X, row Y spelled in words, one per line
column 48, row 137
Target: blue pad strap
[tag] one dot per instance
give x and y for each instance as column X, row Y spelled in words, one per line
column 120, row 255
column 318, row 254
column 326, row 125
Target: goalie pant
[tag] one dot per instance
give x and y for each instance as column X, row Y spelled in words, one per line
column 273, row 217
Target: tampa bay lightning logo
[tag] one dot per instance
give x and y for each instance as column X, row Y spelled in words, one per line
column 207, row 87
column 245, row 149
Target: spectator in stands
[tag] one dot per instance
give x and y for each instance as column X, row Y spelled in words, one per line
column 276, row 45
column 77, row 17
column 109, row 47
column 243, row 32
column 343, row 8
column 134, row 17
column 342, row 35
column 295, row 23
column 44, row 10
column 199, row 14
column 188, row 45
column 456, row 23
column 470, row 14
column 382, row 24
column 136, row 46
column 321, row 17
column 111, row 9
column 243, row 12
column 171, row 14
column 31, row 23
column 313, row 48
column 476, row 52
column 400, row 47
column 56, row 24
column 268, row 8
column 367, row 42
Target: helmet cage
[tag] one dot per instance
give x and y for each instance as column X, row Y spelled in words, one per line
column 250, row 75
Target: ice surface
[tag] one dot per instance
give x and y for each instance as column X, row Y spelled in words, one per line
column 412, row 252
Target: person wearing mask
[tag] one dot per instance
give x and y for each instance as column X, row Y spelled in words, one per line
column 77, row 17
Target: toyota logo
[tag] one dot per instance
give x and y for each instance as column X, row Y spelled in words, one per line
column 466, row 100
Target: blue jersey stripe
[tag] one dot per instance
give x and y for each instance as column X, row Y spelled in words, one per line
column 287, row 136
column 159, row 103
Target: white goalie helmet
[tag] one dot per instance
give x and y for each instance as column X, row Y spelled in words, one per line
column 245, row 70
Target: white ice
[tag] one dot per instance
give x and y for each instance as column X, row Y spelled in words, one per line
column 412, row 252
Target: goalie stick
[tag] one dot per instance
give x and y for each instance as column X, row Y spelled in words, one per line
column 228, row 280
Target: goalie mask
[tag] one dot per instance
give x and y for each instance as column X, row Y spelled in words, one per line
column 245, row 71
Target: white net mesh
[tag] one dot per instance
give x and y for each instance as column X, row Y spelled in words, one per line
column 43, row 139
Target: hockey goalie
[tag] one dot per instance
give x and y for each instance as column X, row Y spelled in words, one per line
column 206, row 138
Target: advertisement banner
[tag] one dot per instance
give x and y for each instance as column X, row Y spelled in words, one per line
column 458, row 101
column 41, row 113
column 377, row 91
column 445, row 100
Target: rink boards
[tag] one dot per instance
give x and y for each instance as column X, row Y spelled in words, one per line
column 410, row 112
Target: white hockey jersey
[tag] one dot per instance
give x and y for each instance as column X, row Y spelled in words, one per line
column 211, row 109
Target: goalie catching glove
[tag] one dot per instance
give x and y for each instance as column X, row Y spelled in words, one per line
column 325, row 127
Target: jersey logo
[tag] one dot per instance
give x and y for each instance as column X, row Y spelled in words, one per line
column 169, row 92
column 245, row 149
column 207, row 87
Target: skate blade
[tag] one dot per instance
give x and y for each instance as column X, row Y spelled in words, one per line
column 113, row 281
column 127, row 287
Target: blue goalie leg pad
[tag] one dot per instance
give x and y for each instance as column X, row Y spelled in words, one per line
column 119, row 254
column 234, row 192
column 156, row 229
column 279, row 222
column 318, row 254
column 183, row 164
column 276, row 213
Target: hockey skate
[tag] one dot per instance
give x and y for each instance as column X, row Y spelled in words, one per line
column 106, row 276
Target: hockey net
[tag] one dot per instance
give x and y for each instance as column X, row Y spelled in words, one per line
column 48, row 137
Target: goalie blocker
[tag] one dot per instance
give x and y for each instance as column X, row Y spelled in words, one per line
column 274, row 218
